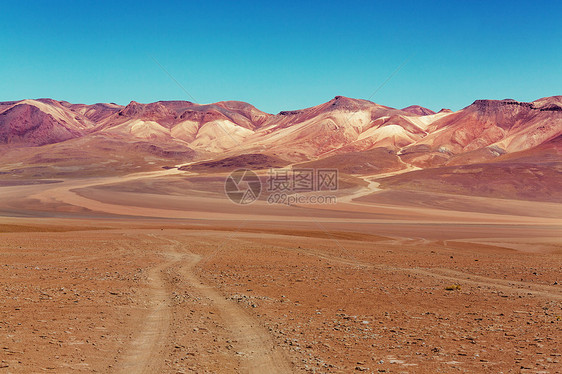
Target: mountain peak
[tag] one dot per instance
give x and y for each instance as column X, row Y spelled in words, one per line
column 551, row 103
column 347, row 103
column 419, row 110
column 131, row 109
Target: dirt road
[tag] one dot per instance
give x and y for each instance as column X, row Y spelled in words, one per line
column 148, row 351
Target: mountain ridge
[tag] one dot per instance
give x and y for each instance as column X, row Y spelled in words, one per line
column 169, row 130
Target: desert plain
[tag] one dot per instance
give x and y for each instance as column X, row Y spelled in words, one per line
column 159, row 272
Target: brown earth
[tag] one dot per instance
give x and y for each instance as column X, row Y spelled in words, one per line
column 248, row 161
column 377, row 160
column 158, row 272
column 219, row 299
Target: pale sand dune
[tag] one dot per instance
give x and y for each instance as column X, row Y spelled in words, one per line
column 219, row 135
column 423, row 122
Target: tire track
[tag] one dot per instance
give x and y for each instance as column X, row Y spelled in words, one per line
column 260, row 354
column 144, row 354
column 523, row 288
column 501, row 284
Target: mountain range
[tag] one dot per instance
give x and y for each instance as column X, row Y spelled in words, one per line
column 45, row 137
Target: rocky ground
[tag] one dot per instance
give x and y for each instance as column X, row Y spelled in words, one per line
column 125, row 299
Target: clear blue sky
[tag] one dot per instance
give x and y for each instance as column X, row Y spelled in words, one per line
column 281, row 56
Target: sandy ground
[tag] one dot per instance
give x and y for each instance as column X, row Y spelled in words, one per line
column 130, row 276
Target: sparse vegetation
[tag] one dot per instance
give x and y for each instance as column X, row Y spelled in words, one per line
column 454, row 287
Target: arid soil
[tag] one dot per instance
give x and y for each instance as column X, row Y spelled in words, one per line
column 118, row 299
column 160, row 273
